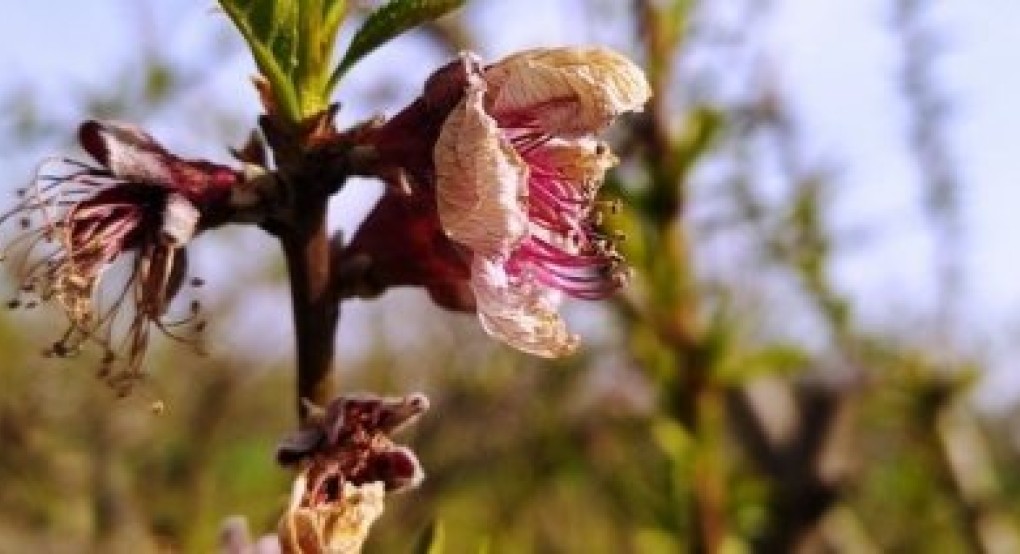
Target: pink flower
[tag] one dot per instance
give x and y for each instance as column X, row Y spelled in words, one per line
column 517, row 172
column 140, row 199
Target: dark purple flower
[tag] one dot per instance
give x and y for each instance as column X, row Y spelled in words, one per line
column 139, row 200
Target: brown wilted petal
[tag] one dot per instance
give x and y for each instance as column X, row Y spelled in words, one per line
column 566, row 91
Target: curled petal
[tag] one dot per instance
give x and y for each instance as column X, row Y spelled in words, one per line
column 566, row 91
column 481, row 181
column 350, row 414
column 127, row 151
column 131, row 155
column 397, row 468
column 519, row 312
column 349, row 441
column 337, row 527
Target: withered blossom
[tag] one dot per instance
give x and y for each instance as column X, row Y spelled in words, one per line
column 337, row 527
column 514, row 170
column 139, row 201
column 518, row 170
column 347, row 462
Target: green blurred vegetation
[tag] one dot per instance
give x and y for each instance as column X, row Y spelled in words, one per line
column 692, row 421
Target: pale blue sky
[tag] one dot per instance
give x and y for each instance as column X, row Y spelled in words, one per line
column 837, row 60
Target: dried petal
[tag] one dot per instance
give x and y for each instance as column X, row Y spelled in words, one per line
column 396, row 467
column 521, row 313
column 338, row 527
column 350, row 414
column 349, row 442
column 480, row 179
column 566, row 91
column 141, row 202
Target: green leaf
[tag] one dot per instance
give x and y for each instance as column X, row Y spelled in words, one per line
column 319, row 23
column 270, row 29
column 431, row 540
column 333, row 12
column 387, row 22
column 292, row 43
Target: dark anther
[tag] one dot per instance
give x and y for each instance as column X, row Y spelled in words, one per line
column 59, row 349
column 333, row 488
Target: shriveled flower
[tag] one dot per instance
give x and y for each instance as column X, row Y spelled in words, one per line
column 350, row 441
column 346, row 463
column 339, row 526
column 517, row 173
column 141, row 200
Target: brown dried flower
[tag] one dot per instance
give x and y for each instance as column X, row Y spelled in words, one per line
column 347, row 463
column 140, row 200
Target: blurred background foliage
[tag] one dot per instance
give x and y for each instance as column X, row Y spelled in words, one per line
column 716, row 407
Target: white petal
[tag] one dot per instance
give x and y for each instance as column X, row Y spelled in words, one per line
column 127, row 151
column 568, row 91
column 180, row 220
column 521, row 314
column 481, row 181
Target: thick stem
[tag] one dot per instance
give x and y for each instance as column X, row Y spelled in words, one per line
column 316, row 314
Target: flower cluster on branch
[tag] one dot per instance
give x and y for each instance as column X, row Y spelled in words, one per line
column 491, row 206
